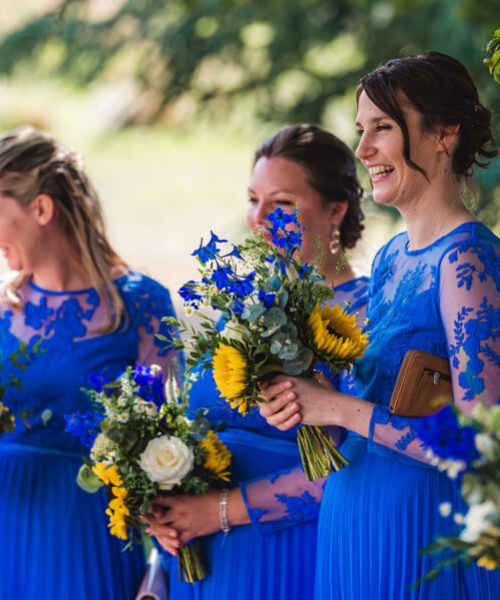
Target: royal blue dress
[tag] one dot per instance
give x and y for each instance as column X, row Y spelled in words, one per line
column 273, row 558
column 54, row 539
column 378, row 513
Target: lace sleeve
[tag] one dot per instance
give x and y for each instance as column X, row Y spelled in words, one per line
column 468, row 290
column 151, row 303
column 282, row 499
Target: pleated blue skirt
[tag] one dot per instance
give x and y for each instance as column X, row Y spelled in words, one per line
column 376, row 516
column 247, row 564
column 54, row 539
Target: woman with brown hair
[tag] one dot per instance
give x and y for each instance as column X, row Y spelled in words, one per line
column 79, row 312
column 260, row 535
column 433, row 288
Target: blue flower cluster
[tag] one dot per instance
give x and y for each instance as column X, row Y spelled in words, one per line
column 447, row 439
column 288, row 240
column 150, row 384
column 85, row 426
column 210, row 250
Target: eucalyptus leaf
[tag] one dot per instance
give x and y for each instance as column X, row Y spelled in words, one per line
column 289, row 351
column 300, row 364
column 253, row 312
column 273, row 319
column 275, row 283
column 283, row 299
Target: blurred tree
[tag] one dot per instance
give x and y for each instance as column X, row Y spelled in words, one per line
column 287, row 61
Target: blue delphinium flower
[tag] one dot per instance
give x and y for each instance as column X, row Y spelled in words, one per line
column 210, row 250
column 85, row 426
column 288, row 240
column 188, row 292
column 242, row 287
column 97, row 381
column 150, row 383
column 221, row 276
column 443, row 434
column 267, row 299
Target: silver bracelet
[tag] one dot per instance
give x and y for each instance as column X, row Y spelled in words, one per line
column 223, row 506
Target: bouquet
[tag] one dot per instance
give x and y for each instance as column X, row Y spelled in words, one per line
column 142, row 445
column 468, row 448
column 274, row 320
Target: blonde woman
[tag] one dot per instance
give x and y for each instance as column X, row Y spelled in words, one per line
column 80, row 312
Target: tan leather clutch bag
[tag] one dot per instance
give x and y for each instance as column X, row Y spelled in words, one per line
column 423, row 385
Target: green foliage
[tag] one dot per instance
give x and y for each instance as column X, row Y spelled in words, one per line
column 281, row 61
column 493, row 63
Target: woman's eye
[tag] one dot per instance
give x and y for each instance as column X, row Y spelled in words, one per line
column 359, row 132
column 252, row 200
column 383, row 127
column 284, row 203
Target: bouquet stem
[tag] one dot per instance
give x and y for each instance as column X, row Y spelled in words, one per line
column 319, row 454
column 191, row 565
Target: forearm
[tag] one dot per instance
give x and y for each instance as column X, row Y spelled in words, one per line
column 236, row 510
column 353, row 413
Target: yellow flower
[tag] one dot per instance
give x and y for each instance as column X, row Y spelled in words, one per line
column 217, row 457
column 336, row 333
column 230, row 376
column 118, row 511
column 487, row 562
column 107, row 473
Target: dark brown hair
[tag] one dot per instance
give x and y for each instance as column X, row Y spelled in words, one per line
column 330, row 167
column 441, row 89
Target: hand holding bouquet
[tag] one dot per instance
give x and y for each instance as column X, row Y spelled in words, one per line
column 468, row 447
column 275, row 319
column 143, row 445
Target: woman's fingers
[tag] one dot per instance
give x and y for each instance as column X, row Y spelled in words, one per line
column 275, row 388
column 284, row 420
column 170, row 546
column 282, row 402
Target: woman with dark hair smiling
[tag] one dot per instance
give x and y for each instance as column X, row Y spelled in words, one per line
column 260, row 535
column 433, row 288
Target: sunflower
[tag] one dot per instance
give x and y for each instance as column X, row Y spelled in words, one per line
column 230, row 376
column 217, row 456
column 118, row 511
column 107, row 473
column 335, row 332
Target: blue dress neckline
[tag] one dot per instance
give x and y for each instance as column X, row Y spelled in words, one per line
column 42, row 290
column 463, row 227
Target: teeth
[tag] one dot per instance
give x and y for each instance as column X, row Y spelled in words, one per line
column 378, row 170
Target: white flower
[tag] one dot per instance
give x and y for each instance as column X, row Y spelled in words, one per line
column 155, row 370
column 166, row 461
column 475, row 521
column 121, row 402
column 445, row 509
column 102, row 446
column 459, row 518
column 485, row 445
column 122, row 417
column 452, row 467
column 142, row 407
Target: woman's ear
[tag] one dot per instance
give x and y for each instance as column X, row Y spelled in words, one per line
column 43, row 208
column 448, row 138
column 338, row 211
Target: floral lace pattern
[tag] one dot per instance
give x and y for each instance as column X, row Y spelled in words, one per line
column 65, row 327
column 442, row 299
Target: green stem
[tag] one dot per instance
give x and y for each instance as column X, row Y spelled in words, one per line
column 318, row 452
column 191, row 565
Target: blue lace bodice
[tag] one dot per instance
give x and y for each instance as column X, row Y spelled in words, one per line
column 442, row 299
column 63, row 327
column 266, row 462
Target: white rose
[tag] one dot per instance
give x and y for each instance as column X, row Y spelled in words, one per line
column 475, row 521
column 166, row 461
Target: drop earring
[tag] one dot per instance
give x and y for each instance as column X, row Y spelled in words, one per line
column 335, row 246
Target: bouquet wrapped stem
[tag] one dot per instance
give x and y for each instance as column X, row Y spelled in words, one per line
column 191, row 564
column 318, row 452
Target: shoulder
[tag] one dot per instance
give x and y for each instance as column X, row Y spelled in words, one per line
column 134, row 283
column 470, row 259
column 389, row 250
